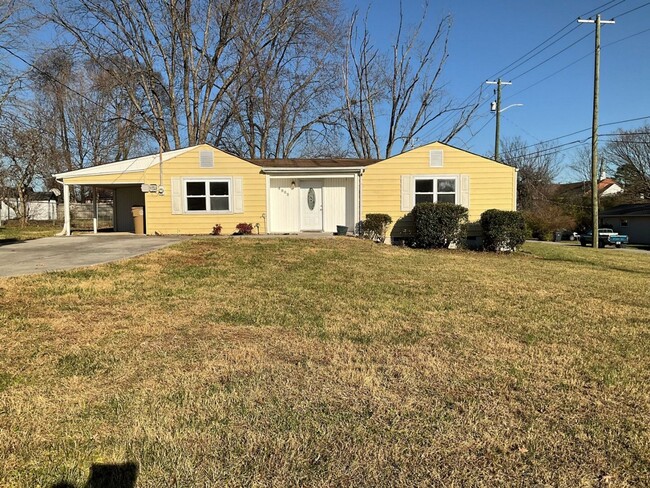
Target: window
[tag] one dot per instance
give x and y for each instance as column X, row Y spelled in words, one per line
column 440, row 190
column 207, row 195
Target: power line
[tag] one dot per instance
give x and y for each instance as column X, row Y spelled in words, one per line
column 597, row 9
column 631, row 10
column 552, row 56
column 572, row 63
column 636, row 119
column 502, row 72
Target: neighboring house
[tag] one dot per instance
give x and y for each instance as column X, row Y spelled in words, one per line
column 606, row 187
column 631, row 219
column 40, row 206
column 198, row 187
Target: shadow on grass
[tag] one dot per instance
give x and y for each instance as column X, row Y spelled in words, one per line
column 598, row 266
column 11, row 240
column 107, row 476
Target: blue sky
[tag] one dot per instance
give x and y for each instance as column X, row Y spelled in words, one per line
column 487, row 36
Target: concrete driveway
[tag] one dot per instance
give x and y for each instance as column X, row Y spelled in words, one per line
column 59, row 253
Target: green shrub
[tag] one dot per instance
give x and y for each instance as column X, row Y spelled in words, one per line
column 375, row 225
column 502, row 230
column 439, row 224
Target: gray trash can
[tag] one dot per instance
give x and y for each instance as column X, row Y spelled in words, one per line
column 557, row 236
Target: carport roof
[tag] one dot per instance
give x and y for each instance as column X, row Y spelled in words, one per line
column 133, row 165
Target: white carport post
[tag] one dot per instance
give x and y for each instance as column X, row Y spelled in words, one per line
column 95, row 210
column 66, row 209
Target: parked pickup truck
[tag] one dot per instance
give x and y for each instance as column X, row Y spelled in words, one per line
column 606, row 237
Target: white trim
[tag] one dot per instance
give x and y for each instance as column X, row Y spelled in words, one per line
column 357, row 202
column 227, row 179
column 516, row 182
column 133, row 165
column 267, row 220
column 311, row 176
column 435, row 186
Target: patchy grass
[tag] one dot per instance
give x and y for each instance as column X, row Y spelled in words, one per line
column 13, row 232
column 222, row 362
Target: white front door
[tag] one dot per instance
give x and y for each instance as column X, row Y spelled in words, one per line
column 311, row 205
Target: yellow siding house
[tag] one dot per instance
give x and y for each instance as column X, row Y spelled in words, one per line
column 188, row 191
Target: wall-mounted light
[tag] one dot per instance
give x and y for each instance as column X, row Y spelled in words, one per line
column 293, row 185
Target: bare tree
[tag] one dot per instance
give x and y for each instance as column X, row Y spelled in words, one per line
column 82, row 111
column 23, row 157
column 284, row 91
column 629, row 153
column 406, row 84
column 581, row 165
column 537, row 167
column 13, row 23
column 178, row 56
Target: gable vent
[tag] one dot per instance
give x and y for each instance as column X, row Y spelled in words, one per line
column 206, row 159
column 435, row 158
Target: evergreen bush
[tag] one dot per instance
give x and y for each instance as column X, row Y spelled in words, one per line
column 502, row 230
column 439, row 224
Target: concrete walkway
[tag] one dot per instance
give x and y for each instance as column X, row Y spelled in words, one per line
column 60, row 253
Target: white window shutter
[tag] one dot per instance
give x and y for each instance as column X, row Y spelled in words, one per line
column 238, row 195
column 436, row 158
column 464, row 191
column 407, row 193
column 177, row 196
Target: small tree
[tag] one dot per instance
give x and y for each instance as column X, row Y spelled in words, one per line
column 439, row 224
column 502, row 230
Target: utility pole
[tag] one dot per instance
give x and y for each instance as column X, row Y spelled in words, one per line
column 594, row 129
column 497, row 111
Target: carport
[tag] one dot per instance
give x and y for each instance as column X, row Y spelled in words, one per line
column 129, row 180
column 125, row 196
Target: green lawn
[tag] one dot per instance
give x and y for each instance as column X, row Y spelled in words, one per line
column 337, row 362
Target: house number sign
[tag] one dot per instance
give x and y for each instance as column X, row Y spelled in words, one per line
column 311, row 199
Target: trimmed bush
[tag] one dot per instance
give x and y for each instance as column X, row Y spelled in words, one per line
column 439, row 224
column 502, row 230
column 375, row 225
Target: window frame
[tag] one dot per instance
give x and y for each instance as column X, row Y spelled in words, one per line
column 206, row 182
column 435, row 179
